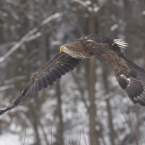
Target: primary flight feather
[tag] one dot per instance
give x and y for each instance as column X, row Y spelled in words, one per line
column 129, row 76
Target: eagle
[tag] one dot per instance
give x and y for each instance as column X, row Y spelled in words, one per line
column 130, row 77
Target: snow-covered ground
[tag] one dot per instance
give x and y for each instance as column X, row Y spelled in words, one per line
column 9, row 139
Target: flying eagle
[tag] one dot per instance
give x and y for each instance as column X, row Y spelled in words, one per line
column 129, row 76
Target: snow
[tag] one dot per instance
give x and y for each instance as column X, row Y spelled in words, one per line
column 143, row 12
column 88, row 2
column 26, row 37
column 81, row 2
column 12, row 138
column 96, row 9
column 18, row 44
column 12, row 80
column 75, row 115
column 50, row 18
column 38, row 34
column 15, row 16
column 55, row 43
column 114, row 27
column 9, row 139
column 3, row 88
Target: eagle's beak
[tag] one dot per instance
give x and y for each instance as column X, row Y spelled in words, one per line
column 62, row 48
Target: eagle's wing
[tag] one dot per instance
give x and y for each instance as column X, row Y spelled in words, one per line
column 129, row 76
column 134, row 84
column 114, row 44
column 45, row 76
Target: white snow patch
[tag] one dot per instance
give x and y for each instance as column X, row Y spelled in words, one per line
column 38, row 34
column 3, row 88
column 114, row 27
column 15, row 16
column 96, row 9
column 28, row 34
column 12, row 80
column 55, row 43
column 9, row 139
column 88, row 2
column 143, row 12
column 50, row 18
column 83, row 3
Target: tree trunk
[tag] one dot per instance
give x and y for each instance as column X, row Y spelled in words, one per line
column 93, row 135
column 109, row 111
column 92, row 108
column 35, row 124
column 60, row 129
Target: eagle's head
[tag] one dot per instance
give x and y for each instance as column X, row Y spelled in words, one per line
column 65, row 48
column 70, row 49
column 77, row 48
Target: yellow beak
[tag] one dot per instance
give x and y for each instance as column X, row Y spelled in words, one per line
column 62, row 48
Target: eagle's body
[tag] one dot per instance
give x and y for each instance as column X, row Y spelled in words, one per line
column 103, row 47
column 130, row 76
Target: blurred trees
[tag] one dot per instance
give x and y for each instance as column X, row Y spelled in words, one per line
column 83, row 110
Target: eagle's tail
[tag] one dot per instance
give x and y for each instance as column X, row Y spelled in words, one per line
column 134, row 86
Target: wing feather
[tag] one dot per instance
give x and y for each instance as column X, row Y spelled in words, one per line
column 135, row 89
column 49, row 78
column 44, row 81
column 140, row 71
column 37, row 86
column 65, row 69
column 46, row 76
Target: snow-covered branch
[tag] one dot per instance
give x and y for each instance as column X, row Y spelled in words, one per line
column 106, row 97
column 3, row 88
column 50, row 18
column 28, row 35
column 7, row 45
column 12, row 80
column 18, row 44
column 32, row 37
column 87, row 4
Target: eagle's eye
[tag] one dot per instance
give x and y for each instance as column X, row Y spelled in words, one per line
column 62, row 48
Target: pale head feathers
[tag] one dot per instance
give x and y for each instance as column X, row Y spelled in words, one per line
column 63, row 48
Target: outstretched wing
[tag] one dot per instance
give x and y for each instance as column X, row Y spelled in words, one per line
column 46, row 76
column 134, row 85
column 129, row 76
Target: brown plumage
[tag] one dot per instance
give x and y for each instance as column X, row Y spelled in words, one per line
column 46, row 76
column 130, row 76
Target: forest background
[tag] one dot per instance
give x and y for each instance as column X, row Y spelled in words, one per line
column 86, row 106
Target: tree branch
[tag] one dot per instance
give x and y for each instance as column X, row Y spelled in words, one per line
column 28, row 35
